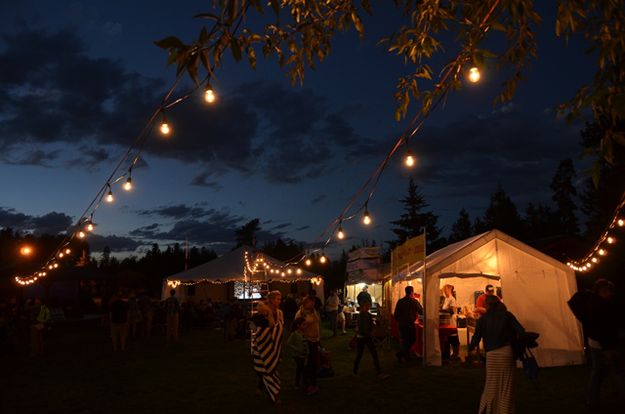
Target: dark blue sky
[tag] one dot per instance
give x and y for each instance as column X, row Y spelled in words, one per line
column 78, row 79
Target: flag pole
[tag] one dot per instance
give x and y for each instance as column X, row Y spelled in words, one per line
column 424, row 290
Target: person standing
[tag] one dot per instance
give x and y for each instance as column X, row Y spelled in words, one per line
column 267, row 345
column 118, row 315
column 601, row 325
column 364, row 296
column 311, row 332
column 450, row 306
column 172, row 309
column 298, row 347
column 480, row 306
column 498, row 328
column 39, row 317
column 147, row 314
column 406, row 312
column 332, row 307
column 364, row 331
column 289, row 307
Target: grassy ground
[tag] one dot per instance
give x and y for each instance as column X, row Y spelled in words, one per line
column 202, row 373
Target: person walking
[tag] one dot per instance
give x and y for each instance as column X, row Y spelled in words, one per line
column 267, row 345
column 172, row 309
column 311, row 331
column 601, row 325
column 332, row 307
column 364, row 332
column 406, row 312
column 498, row 328
column 118, row 317
column 39, row 317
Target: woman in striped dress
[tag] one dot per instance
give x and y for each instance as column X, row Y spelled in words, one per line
column 267, row 345
column 498, row 328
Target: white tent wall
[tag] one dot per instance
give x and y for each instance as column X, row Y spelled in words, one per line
column 375, row 290
column 537, row 292
column 535, row 288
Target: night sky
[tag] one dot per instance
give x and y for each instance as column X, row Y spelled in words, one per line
column 79, row 79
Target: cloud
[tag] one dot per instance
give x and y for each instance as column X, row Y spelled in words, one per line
column 281, row 226
column 97, row 243
column 318, row 199
column 35, row 157
column 201, row 180
column 50, row 223
column 302, row 228
column 470, row 156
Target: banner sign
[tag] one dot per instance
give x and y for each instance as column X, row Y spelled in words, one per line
column 412, row 251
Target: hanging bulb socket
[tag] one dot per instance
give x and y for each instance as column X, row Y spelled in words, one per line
column 109, row 197
column 474, row 74
column 340, row 234
column 366, row 218
column 410, row 159
column 209, row 94
column 164, row 128
column 128, row 183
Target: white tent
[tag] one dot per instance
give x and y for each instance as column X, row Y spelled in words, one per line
column 245, row 265
column 535, row 288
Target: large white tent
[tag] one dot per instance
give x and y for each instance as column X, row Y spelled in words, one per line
column 535, row 288
column 245, row 265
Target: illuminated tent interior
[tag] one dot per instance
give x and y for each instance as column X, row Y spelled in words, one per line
column 535, row 288
column 237, row 272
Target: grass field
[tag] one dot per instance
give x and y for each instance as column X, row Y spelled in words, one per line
column 80, row 374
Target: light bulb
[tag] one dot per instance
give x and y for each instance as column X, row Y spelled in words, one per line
column 308, row 262
column 322, row 259
column 299, row 271
column 602, row 252
column 128, row 184
column 594, row 260
column 620, row 222
column 209, row 95
column 410, row 160
column 109, row 197
column 81, row 234
column 340, row 234
column 282, row 274
column 289, row 271
column 61, row 254
column 611, row 240
column 366, row 219
column 50, row 267
column 67, row 251
column 165, row 129
column 474, row 74
column 589, row 265
column 55, row 265
column 89, row 226
column 26, row 251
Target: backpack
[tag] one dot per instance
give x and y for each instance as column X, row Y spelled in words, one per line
column 579, row 305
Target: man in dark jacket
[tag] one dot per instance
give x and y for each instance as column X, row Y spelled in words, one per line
column 602, row 324
column 406, row 312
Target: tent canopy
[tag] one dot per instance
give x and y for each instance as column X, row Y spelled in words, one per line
column 535, row 288
column 242, row 264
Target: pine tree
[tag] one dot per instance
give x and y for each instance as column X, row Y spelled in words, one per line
column 540, row 222
column 502, row 214
column 414, row 220
column 462, row 228
column 246, row 234
column 563, row 195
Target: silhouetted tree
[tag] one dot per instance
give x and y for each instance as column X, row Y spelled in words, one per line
column 414, row 220
column 502, row 214
column 563, row 195
column 461, row 229
column 246, row 234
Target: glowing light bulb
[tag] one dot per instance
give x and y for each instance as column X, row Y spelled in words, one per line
column 165, row 129
column 299, row 271
column 322, row 259
column 109, row 197
column 209, row 95
column 366, row 219
column 89, row 226
column 308, row 262
column 26, row 250
column 620, row 222
column 410, row 160
column 81, row 235
column 474, row 74
column 67, row 251
column 289, row 271
column 340, row 235
column 594, row 260
column 61, row 254
column 55, row 265
column 128, row 184
column 589, row 265
column 611, row 240
column 50, row 267
column 602, row 252
column 282, row 274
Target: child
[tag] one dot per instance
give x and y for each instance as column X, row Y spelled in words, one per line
column 298, row 347
column 363, row 337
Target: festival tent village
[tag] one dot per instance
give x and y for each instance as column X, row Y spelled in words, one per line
column 364, row 268
column 534, row 287
column 242, row 273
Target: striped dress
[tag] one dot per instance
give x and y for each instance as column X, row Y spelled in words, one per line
column 266, row 350
column 497, row 397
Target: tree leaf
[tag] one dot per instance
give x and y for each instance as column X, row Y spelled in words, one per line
column 209, row 16
column 170, row 42
column 235, row 46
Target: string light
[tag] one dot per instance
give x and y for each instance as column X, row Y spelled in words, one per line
column 128, row 183
column 308, row 262
column 81, row 235
column 209, row 94
column 109, row 197
column 322, row 259
column 26, row 250
column 299, row 271
column 602, row 252
column 410, row 160
column 474, row 74
column 340, row 235
column 594, row 260
column 611, row 240
column 620, row 222
column 165, row 129
column 366, row 218
column 61, row 254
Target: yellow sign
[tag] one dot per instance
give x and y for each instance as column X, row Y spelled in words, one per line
column 412, row 251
